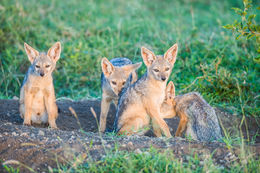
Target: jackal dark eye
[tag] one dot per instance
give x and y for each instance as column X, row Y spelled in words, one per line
column 37, row 66
column 113, row 82
column 156, row 70
column 166, row 69
column 123, row 83
column 47, row 66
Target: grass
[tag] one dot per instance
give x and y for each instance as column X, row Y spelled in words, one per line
column 95, row 29
column 151, row 160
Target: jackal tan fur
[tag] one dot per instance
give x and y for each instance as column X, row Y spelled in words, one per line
column 37, row 96
column 141, row 102
column 197, row 117
column 115, row 74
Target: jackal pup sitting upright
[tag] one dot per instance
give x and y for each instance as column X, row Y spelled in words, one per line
column 37, row 96
column 141, row 102
column 195, row 114
column 115, row 74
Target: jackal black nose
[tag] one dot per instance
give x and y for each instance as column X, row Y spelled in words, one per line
column 42, row 74
column 163, row 78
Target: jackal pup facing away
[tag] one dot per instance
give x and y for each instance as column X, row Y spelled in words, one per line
column 113, row 79
column 195, row 114
column 141, row 102
column 37, row 97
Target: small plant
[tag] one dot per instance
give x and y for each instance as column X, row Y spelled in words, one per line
column 11, row 169
column 246, row 26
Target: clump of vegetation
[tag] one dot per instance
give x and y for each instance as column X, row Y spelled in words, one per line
column 153, row 160
column 246, row 26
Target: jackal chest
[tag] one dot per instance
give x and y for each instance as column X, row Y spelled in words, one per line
column 37, row 91
column 37, row 96
column 39, row 113
column 156, row 95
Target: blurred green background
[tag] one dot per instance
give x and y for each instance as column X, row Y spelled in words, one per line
column 210, row 59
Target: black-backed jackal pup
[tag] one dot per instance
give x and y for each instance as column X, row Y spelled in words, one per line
column 37, row 96
column 195, row 114
column 141, row 102
column 113, row 79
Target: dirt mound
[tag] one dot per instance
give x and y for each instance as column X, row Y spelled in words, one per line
column 40, row 147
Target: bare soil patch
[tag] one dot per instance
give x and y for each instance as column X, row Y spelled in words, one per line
column 39, row 147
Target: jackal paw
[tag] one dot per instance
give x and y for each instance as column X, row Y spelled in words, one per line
column 177, row 134
column 27, row 123
column 101, row 130
column 53, row 125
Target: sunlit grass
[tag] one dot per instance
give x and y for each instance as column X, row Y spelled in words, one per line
column 90, row 30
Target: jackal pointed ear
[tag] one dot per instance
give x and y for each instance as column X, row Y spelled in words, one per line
column 170, row 91
column 148, row 56
column 137, row 65
column 54, row 52
column 107, row 67
column 171, row 54
column 132, row 67
column 31, row 52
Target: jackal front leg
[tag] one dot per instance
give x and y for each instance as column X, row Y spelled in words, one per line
column 182, row 124
column 105, row 104
column 28, row 97
column 51, row 107
column 154, row 112
column 156, row 129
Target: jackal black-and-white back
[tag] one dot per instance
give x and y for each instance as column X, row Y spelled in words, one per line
column 117, row 74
